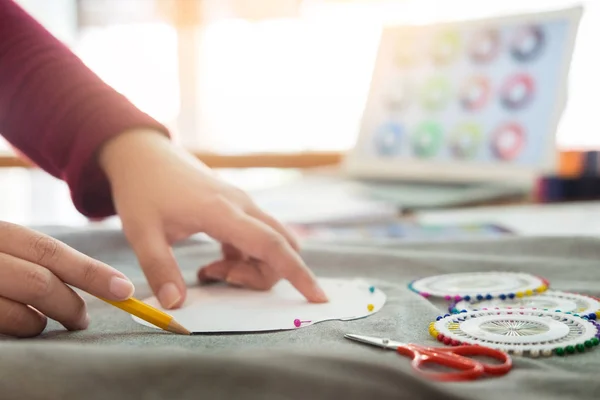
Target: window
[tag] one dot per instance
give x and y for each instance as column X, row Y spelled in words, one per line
column 281, row 75
column 297, row 82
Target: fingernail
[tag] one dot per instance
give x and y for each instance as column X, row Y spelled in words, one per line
column 320, row 295
column 234, row 281
column 169, row 295
column 121, row 288
column 84, row 322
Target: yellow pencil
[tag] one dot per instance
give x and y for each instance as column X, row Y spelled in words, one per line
column 149, row 314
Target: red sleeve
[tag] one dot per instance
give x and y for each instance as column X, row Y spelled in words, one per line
column 57, row 112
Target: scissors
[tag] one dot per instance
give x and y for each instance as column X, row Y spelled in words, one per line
column 456, row 358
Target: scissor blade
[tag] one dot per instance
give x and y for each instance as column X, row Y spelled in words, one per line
column 373, row 341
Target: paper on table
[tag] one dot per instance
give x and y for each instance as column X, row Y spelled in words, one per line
column 222, row 308
column 322, row 199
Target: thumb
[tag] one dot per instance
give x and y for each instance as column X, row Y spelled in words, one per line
column 160, row 267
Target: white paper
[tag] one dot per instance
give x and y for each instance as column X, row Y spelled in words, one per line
column 322, row 199
column 222, row 308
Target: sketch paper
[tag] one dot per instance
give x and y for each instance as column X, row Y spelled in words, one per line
column 222, row 308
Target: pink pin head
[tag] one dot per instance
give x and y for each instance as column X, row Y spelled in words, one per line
column 457, row 298
column 298, row 323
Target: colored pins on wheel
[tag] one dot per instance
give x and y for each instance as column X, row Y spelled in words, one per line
column 552, row 300
column 479, row 286
column 528, row 332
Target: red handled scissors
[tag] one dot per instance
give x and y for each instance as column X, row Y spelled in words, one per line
column 456, row 358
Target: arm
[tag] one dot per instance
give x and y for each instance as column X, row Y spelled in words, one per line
column 65, row 119
column 57, row 112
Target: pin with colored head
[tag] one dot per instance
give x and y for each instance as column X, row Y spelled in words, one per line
column 372, row 289
column 370, row 307
column 298, row 323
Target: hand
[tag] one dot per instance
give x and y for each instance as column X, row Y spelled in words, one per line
column 163, row 194
column 34, row 273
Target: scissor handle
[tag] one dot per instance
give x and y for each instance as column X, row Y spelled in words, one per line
column 455, row 358
column 476, row 350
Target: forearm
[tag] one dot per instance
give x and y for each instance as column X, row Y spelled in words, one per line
column 57, row 112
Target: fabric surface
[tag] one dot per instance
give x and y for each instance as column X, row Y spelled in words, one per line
column 117, row 358
column 57, row 112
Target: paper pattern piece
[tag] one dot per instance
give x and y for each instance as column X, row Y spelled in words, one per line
column 222, row 308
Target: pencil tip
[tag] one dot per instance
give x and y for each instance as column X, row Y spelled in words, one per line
column 176, row 327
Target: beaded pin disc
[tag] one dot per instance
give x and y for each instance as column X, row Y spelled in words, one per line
column 551, row 300
column 479, row 286
column 527, row 331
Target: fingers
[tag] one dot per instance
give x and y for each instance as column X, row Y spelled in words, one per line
column 216, row 271
column 159, row 265
column 31, row 284
column 66, row 263
column 230, row 252
column 19, row 320
column 260, row 241
column 257, row 213
column 255, row 276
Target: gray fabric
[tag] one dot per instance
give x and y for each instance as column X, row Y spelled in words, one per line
column 118, row 358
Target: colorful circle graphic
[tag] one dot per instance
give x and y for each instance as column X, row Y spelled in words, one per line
column 517, row 91
column 475, row 93
column 466, row 140
column 508, row 141
column 527, row 43
column 484, row 46
column 436, row 93
column 388, row 139
column 427, row 139
column 405, row 56
column 398, row 95
column 446, row 47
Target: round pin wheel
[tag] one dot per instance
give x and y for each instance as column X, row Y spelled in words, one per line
column 480, row 286
column 528, row 332
column 550, row 300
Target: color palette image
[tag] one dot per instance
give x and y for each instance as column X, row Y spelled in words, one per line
column 485, row 93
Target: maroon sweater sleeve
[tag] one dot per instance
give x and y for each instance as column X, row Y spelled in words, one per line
column 57, row 112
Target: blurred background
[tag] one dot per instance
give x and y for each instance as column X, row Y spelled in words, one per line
column 259, row 76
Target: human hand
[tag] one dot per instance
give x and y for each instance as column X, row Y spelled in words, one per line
column 163, row 194
column 34, row 273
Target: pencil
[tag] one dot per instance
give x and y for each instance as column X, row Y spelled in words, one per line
column 149, row 314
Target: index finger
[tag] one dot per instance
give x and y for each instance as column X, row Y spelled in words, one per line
column 68, row 264
column 253, row 237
